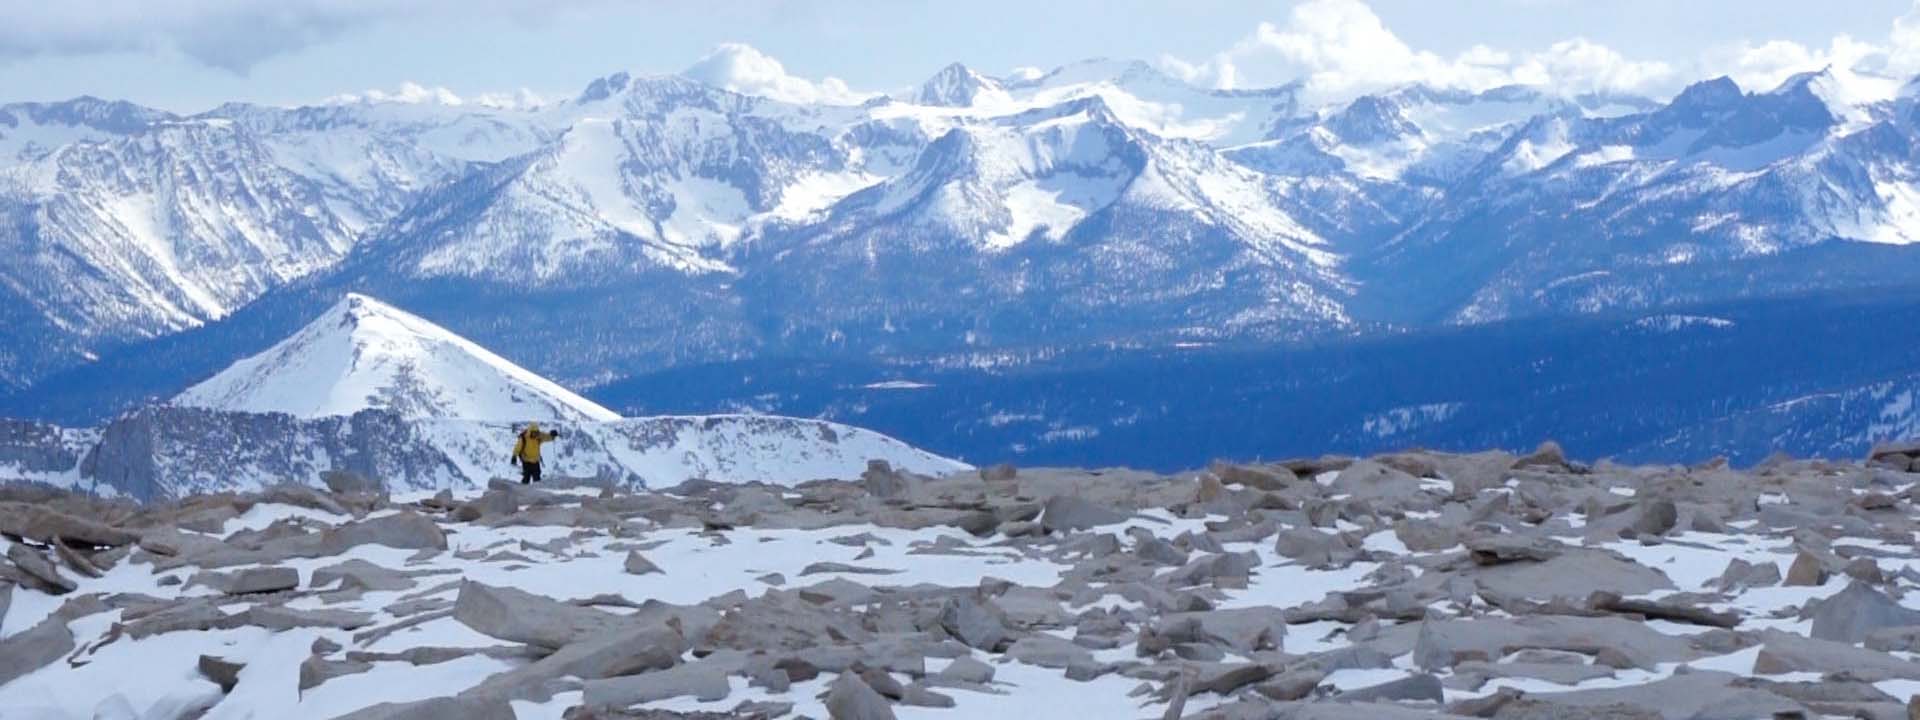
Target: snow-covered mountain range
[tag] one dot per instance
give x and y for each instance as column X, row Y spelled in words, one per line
column 372, row 389
column 1102, row 202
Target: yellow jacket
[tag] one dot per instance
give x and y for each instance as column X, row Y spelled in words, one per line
column 527, row 448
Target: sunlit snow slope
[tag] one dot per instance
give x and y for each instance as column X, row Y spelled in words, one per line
column 364, row 354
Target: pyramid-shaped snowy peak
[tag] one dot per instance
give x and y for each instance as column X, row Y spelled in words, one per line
column 363, row 353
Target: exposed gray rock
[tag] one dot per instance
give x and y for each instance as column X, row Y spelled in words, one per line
column 821, row 568
column 440, row 708
column 1572, row 575
column 849, row 698
column 1071, row 512
column 1425, row 535
column 222, row 672
column 1701, row 695
column 1547, row 456
column 278, row 618
column 403, row 530
column 1312, row 548
column 1245, row 630
column 1048, row 651
column 1656, row 517
column 518, row 616
column 1490, row 550
column 965, row 669
column 46, row 526
column 1413, row 688
column 1472, row 674
column 1268, row 478
column 1895, row 639
column 1663, row 610
column 882, row 481
column 1850, row 615
column 704, row 681
column 975, row 622
column 918, row 695
column 1291, row 685
column 1369, row 480
column 1223, row 679
column 638, row 564
column 347, row 481
column 1783, row 652
column 34, row 648
column 39, row 569
column 262, row 580
column 1741, row 575
column 75, row 561
column 363, row 575
column 316, row 670
column 1806, row 571
column 626, row 650
column 1623, row 641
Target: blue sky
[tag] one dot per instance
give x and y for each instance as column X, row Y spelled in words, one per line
column 189, row 55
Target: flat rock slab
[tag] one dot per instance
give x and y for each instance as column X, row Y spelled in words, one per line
column 1572, row 575
column 39, row 569
column 1493, row 638
column 405, row 531
column 850, row 698
column 46, row 526
column 519, row 616
column 1693, row 696
column 703, row 682
column 262, row 580
column 34, row 648
column 1851, row 615
column 1786, row 652
column 1070, row 512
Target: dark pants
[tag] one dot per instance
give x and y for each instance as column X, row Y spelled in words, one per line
column 529, row 472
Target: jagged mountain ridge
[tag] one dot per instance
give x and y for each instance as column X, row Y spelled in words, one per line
column 713, row 210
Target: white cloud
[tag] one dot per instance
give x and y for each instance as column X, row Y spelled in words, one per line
column 743, row 69
column 1903, row 54
column 1026, row 72
column 232, row 35
column 1763, row 66
column 1866, row 70
column 412, row 93
column 1340, row 48
column 1581, row 65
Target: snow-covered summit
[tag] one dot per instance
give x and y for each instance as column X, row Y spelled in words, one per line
column 957, row 85
column 365, row 354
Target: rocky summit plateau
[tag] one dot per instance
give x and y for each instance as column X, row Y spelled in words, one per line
column 1406, row 585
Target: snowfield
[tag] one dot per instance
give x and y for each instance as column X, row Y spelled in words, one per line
column 1408, row 585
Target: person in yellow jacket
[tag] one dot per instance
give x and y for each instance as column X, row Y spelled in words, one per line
column 526, row 451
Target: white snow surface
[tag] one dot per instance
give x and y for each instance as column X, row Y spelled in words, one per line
column 664, row 451
column 363, row 354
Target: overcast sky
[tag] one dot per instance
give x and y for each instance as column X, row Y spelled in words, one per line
column 189, row 55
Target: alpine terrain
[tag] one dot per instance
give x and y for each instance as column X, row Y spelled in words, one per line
column 371, row 390
column 892, row 258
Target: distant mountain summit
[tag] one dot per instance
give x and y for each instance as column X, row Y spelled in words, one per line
column 957, row 85
column 363, row 354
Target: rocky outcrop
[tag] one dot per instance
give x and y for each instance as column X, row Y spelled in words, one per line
column 1212, row 599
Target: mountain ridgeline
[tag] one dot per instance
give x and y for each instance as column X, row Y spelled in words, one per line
column 977, row 228
column 372, row 390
